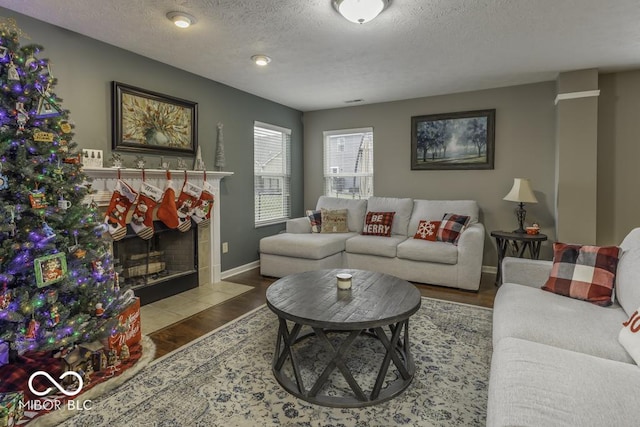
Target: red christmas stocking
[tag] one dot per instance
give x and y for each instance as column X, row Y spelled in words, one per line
column 121, row 200
column 167, row 211
column 201, row 213
column 188, row 197
column 142, row 218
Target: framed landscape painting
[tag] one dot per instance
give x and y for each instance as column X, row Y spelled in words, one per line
column 462, row 140
column 145, row 121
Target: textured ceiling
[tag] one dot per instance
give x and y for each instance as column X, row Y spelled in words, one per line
column 320, row 60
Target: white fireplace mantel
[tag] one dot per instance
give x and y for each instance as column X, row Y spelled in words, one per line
column 104, row 182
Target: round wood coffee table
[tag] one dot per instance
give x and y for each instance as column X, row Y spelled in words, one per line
column 375, row 304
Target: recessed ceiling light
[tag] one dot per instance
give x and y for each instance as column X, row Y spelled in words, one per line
column 181, row 19
column 261, row 60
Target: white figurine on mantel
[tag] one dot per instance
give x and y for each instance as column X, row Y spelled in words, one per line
column 220, row 160
column 198, row 165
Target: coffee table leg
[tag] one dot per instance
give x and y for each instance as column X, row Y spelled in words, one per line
column 337, row 361
column 390, row 355
column 284, row 342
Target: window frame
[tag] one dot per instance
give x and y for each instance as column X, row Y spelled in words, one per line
column 327, row 169
column 285, row 176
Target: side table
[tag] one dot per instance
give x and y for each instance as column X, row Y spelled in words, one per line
column 518, row 243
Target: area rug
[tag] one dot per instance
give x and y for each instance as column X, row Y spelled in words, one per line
column 148, row 349
column 225, row 379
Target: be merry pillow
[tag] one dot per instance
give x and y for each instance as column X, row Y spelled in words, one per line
column 427, row 230
column 629, row 336
column 583, row 272
column 378, row 224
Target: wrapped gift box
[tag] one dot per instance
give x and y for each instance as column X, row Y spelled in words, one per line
column 4, row 353
column 10, row 409
column 130, row 319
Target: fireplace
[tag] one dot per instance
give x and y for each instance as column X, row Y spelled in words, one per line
column 162, row 266
column 201, row 263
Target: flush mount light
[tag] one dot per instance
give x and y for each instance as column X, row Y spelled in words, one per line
column 360, row 11
column 181, row 19
column 261, row 60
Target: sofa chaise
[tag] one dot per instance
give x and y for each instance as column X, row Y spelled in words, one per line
column 433, row 262
column 557, row 361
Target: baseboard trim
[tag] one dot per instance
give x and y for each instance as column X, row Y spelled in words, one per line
column 489, row 269
column 241, row 269
column 255, row 264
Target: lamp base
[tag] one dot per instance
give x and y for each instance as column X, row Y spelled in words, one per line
column 520, row 231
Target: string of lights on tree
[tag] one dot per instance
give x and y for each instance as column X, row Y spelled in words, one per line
column 58, row 285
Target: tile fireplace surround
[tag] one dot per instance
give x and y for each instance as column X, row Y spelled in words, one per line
column 104, row 180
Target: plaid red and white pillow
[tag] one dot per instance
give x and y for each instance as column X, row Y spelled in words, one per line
column 583, row 272
column 427, row 230
column 452, row 227
column 378, row 224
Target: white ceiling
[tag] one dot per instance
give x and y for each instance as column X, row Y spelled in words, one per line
column 320, row 60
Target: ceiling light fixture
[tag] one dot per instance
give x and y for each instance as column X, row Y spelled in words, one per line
column 181, row 19
column 261, row 60
column 360, row 11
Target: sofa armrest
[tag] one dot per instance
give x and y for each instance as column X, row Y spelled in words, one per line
column 299, row 225
column 470, row 252
column 524, row 271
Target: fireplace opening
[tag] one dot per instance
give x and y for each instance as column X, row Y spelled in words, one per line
column 160, row 267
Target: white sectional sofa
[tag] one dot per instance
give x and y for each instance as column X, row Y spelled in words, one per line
column 439, row 263
column 557, row 360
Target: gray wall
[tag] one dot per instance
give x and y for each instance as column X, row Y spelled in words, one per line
column 618, row 156
column 85, row 68
column 524, row 147
column 577, row 149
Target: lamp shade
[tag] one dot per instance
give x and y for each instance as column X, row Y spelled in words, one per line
column 360, row 11
column 521, row 192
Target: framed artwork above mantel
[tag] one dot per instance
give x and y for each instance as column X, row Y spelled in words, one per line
column 461, row 140
column 146, row 121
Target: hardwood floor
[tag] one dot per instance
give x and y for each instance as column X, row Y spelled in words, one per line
column 189, row 329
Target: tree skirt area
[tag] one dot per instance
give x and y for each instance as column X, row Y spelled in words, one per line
column 225, row 378
column 101, row 382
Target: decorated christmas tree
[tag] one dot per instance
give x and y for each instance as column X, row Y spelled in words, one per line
column 58, row 286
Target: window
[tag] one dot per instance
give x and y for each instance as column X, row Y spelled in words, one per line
column 348, row 163
column 272, row 173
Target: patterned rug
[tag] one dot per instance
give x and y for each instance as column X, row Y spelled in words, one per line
column 225, row 379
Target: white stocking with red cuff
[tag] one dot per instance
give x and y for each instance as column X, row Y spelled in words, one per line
column 121, row 200
column 186, row 201
column 142, row 218
column 167, row 211
column 201, row 213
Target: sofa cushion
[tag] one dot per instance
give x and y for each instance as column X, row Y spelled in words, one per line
column 308, row 245
column 402, row 208
column 451, row 227
column 315, row 220
column 378, row 224
column 628, row 280
column 435, row 209
column 427, row 230
column 374, row 245
column 422, row 250
column 629, row 336
column 356, row 209
column 532, row 314
column 532, row 384
column 583, row 272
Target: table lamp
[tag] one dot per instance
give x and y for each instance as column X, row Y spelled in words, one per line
column 521, row 192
